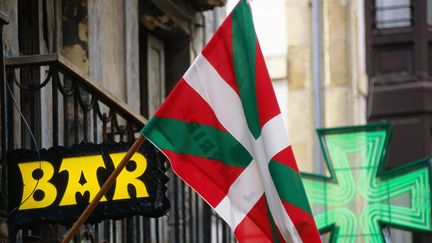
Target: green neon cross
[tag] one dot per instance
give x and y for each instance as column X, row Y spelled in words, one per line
column 359, row 196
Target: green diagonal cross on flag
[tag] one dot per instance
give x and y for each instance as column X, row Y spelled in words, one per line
column 360, row 195
column 223, row 132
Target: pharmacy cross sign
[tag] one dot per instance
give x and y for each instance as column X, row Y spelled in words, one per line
column 360, row 197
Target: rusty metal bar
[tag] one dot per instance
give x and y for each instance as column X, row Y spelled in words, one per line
column 55, row 118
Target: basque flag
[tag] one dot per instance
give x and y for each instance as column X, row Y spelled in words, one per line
column 223, row 132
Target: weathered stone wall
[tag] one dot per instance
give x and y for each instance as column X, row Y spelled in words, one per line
column 75, row 33
column 94, row 38
column 299, row 74
column 344, row 80
column 112, row 46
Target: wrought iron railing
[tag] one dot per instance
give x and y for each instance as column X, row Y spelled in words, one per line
column 62, row 106
column 82, row 99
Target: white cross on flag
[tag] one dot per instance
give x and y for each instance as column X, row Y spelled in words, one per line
column 223, row 132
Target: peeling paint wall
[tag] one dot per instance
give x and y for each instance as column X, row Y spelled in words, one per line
column 75, row 33
column 94, row 40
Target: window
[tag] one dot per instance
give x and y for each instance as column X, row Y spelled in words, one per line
column 392, row 13
column 429, row 12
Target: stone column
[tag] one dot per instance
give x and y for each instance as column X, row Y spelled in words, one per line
column 299, row 72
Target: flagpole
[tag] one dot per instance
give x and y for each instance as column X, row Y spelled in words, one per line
column 106, row 186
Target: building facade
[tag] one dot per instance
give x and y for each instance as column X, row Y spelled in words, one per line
column 350, row 62
column 78, row 71
column 399, row 66
column 325, row 72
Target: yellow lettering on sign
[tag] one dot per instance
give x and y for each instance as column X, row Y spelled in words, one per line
column 40, row 186
column 126, row 177
column 87, row 166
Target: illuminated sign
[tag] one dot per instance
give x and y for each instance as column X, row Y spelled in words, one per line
column 59, row 186
column 360, row 196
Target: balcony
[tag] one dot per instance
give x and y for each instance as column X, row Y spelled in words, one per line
column 63, row 106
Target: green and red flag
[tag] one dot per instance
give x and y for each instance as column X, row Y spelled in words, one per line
column 223, row 132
